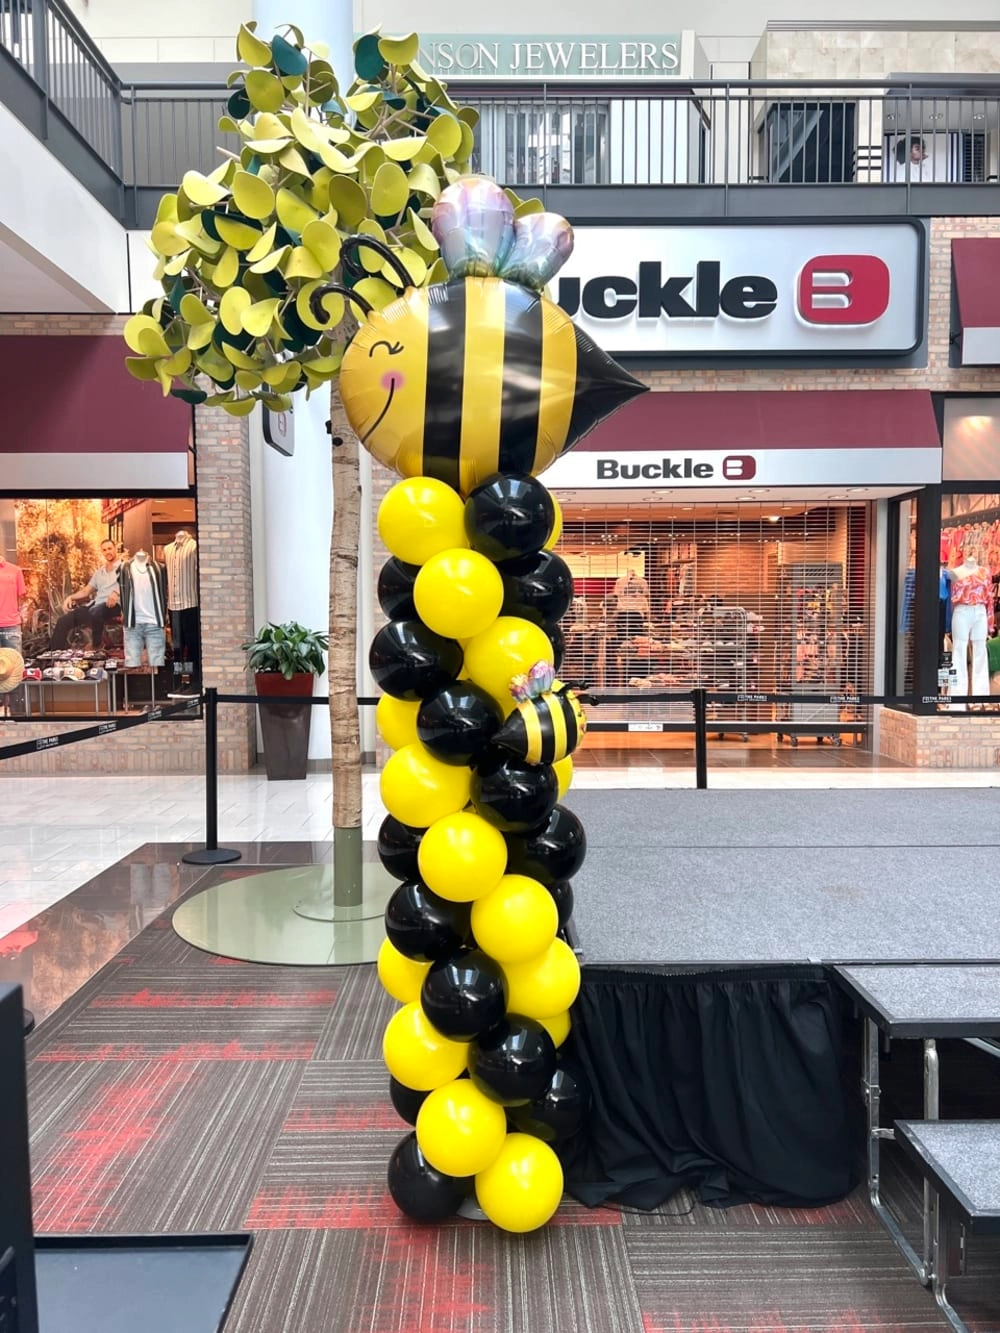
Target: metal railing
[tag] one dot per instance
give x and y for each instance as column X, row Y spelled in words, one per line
column 732, row 133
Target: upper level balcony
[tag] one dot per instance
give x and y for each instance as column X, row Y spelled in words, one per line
column 695, row 149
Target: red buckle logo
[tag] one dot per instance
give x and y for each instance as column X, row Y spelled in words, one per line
column 843, row 289
column 739, row 467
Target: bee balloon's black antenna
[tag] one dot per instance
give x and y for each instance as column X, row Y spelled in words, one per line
column 316, row 300
column 349, row 253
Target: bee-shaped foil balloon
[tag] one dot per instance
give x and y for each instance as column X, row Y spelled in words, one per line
column 481, row 374
column 548, row 721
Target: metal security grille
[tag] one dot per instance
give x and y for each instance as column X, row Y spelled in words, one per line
column 744, row 596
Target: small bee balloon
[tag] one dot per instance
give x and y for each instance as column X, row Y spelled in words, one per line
column 548, row 721
column 481, row 374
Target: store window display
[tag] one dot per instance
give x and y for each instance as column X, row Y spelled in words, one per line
column 107, row 584
column 972, row 623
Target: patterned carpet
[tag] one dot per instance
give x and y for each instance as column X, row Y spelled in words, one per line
column 180, row 1092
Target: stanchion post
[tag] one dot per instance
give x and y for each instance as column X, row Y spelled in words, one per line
column 211, row 854
column 699, row 697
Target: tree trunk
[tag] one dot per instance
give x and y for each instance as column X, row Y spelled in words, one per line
column 343, row 668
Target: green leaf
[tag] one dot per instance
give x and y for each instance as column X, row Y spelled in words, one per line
column 202, row 191
column 141, row 367
column 193, row 396
column 445, row 134
column 288, row 59
column 423, row 179
column 238, row 105
column 249, row 48
column 403, row 150
column 399, row 50
column 390, row 190
column 265, row 90
column 253, row 196
column 369, row 63
column 349, row 199
column 363, row 101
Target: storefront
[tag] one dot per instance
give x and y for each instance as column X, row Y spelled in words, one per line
column 122, row 553
column 751, row 524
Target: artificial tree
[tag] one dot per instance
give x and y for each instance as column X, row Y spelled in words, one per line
column 242, row 252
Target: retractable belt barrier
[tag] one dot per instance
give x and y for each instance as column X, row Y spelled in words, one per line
column 108, row 728
column 699, row 699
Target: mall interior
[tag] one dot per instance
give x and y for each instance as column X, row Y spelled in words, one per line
column 740, row 1072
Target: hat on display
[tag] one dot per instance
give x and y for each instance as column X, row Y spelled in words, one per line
column 11, row 669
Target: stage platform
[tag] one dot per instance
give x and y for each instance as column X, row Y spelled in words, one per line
column 682, row 878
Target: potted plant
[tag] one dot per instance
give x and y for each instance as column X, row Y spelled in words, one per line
column 285, row 660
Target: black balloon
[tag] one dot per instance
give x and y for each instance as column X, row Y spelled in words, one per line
column 537, row 587
column 561, row 1109
column 562, row 892
column 458, row 722
column 514, row 1062
column 465, row 995
column 418, row 1189
column 558, row 641
column 410, row 661
column 509, row 516
column 512, row 794
column 407, row 1101
column 552, row 851
column 397, row 845
column 395, row 589
column 423, row 926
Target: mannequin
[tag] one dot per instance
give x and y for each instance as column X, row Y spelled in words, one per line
column 144, row 609
column 11, row 593
column 632, row 604
column 181, row 560
column 971, row 622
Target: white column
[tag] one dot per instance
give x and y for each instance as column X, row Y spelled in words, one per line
column 291, row 497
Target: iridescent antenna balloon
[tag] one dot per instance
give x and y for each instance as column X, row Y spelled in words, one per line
column 481, row 374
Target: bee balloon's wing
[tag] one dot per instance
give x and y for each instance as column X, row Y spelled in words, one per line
column 473, row 223
column 542, row 244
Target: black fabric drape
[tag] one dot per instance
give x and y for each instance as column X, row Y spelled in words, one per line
column 729, row 1082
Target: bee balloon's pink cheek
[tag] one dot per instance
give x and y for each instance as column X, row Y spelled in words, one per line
column 392, row 380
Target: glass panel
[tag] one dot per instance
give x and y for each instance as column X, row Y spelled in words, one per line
column 110, row 593
column 971, row 440
column 906, row 576
column 740, row 597
column 970, row 569
column 538, row 142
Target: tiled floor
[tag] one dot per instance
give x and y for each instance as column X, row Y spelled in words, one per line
column 56, row 833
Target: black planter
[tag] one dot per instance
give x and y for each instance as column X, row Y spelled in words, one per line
column 285, row 723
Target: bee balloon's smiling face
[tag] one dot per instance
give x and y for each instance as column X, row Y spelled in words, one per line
column 482, row 374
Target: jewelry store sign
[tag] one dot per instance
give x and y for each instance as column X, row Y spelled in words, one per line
column 552, row 56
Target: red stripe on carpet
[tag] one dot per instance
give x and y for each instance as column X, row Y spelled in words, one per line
column 243, row 999
column 195, row 1050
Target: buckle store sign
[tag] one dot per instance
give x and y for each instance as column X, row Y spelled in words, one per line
column 809, row 289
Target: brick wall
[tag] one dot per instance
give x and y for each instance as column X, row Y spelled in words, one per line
column 226, row 572
column 940, row 740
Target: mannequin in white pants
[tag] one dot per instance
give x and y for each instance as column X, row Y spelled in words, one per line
column 971, row 622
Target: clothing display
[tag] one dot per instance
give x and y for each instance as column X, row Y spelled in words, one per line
column 144, row 601
column 149, row 636
column 181, row 561
column 154, row 590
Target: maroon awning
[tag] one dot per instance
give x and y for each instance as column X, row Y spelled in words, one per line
column 75, row 419
column 746, row 421
column 976, row 264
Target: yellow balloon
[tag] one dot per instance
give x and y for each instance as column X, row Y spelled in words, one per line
column 396, row 720
column 420, row 517
column 458, row 593
column 516, row 921
column 544, row 985
column 418, row 789
column 510, row 647
column 417, row 1055
column 521, row 1188
column 564, row 773
column 461, row 857
column 556, row 532
column 401, row 976
column 459, row 1129
column 557, row 1026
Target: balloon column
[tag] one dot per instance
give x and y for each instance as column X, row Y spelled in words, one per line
column 468, row 389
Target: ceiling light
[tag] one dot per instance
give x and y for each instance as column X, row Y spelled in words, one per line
column 774, row 518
